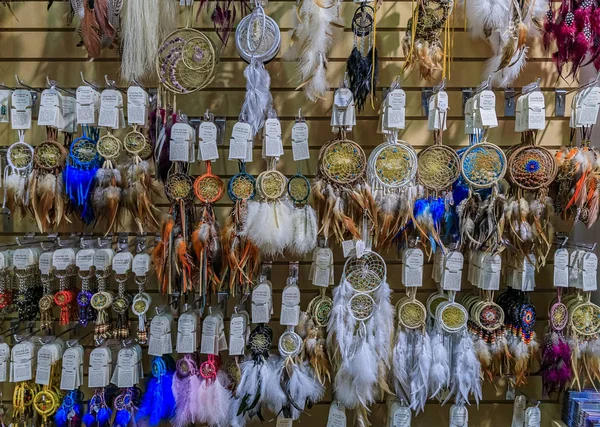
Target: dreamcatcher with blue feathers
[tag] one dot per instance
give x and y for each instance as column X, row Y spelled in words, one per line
column 70, row 411
column 99, row 410
column 158, row 402
column 83, row 162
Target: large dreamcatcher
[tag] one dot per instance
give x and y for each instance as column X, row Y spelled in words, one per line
column 359, row 333
column 340, row 191
column 391, row 172
column 46, row 184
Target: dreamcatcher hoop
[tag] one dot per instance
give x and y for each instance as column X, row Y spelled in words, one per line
column 433, row 302
column 585, row 319
column 186, row 61
column 392, row 165
column 365, row 274
column 109, row 147
column 412, row 313
column 322, row 311
column 488, row 315
column 260, row 340
column 257, row 36
column 271, row 184
column 342, row 161
column 20, row 156
column 361, row 306
column 241, row 186
column 179, row 187
column 452, row 316
column 438, row 167
column 83, row 153
column 290, row 344
column 559, row 316
column 483, row 165
column 134, row 142
column 531, row 167
column 49, row 156
column 208, row 187
column 298, row 188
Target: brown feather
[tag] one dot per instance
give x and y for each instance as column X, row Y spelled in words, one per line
column 89, row 35
column 522, row 32
column 508, row 51
column 101, row 15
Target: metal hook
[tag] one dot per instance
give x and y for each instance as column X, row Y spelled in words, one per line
column 87, row 83
column 52, row 85
column 111, row 84
column 21, row 83
column 591, row 83
column 20, row 338
column 139, row 84
column 75, row 341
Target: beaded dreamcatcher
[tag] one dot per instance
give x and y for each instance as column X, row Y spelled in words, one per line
column 422, row 44
column 531, row 170
column 257, row 40
column 46, row 184
column 139, row 184
column 363, row 63
column 206, row 239
column 269, row 224
column 241, row 254
column 186, row 61
column 19, row 164
column 109, row 183
column 391, row 173
column 83, row 163
column 359, row 329
column 340, row 191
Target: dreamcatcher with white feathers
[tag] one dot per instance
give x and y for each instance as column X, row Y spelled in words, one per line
column 19, row 164
column 359, row 333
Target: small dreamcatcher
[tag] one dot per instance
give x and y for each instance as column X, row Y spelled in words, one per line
column 19, row 159
column 82, row 166
column 269, row 224
column 363, row 63
column 257, row 40
column 241, row 253
column 46, row 184
column 139, row 186
column 391, row 172
column 186, row 61
column 359, row 329
column 422, row 44
column 340, row 191
column 109, row 183
column 556, row 353
column 206, row 240
column 311, row 328
column 531, row 170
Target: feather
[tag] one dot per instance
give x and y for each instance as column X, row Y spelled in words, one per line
column 214, row 399
column 440, row 370
column 89, row 32
column 258, row 99
column 400, row 366
column 185, row 393
column 465, row 377
column 419, row 376
column 305, row 229
column 103, row 416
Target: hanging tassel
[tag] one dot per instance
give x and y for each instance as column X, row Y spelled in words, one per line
column 137, row 195
column 269, row 226
column 258, row 99
column 363, row 74
column 185, row 393
column 465, row 377
column 556, row 363
column 419, row 375
column 213, row 396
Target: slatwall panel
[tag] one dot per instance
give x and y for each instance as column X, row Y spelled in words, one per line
column 36, row 43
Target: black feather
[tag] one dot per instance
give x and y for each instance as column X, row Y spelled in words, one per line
column 359, row 69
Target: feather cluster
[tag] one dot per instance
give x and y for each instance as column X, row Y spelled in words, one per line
column 16, row 196
column 206, row 242
column 305, row 228
column 47, row 200
column 99, row 26
column 137, row 194
column 395, row 211
column 106, row 199
column 556, row 363
column 315, row 348
column 312, row 38
column 258, row 100
column 158, row 402
column 269, row 226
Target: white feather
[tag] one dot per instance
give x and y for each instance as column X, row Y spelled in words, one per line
column 400, row 366
column 419, row 375
column 465, row 377
column 305, row 228
column 258, row 100
column 216, row 400
column 440, row 369
column 303, row 387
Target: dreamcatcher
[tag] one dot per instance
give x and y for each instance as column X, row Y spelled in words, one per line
column 138, row 186
column 186, row 383
column 340, row 191
column 126, row 404
column 391, row 173
column 483, row 165
column 521, row 337
column 556, row 360
column 82, row 166
column 438, row 167
column 257, row 40
column 186, row 61
column 269, row 220
column 19, row 159
column 574, row 29
column 312, row 328
column 46, row 184
column 363, row 63
column 412, row 356
column 359, row 332
column 158, row 402
column 506, row 26
column 109, row 183
column 584, row 331
column 304, row 217
column 99, row 26
column 241, row 254
column 144, row 22
column 528, row 217
column 312, row 38
column 99, row 409
column 206, row 240
column 422, row 44
column 486, row 324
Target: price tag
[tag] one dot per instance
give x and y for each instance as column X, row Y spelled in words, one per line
column 237, row 334
column 261, row 303
column 110, row 103
column 208, row 141
column 589, row 274
column 88, row 101
column 121, row 263
column 20, row 111
column 283, row 422
column 45, row 263
column 348, row 247
column 137, row 106
column 290, row 306
column 337, row 415
column 412, row 267
column 141, row 264
column 50, row 111
column 561, row 268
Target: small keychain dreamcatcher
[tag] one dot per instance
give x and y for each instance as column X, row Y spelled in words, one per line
column 531, row 170
column 422, row 44
column 109, row 184
column 206, row 240
column 483, row 165
column 269, row 224
column 340, row 191
column 241, row 254
column 363, row 63
column 391, row 172
column 19, row 159
column 359, row 329
column 83, row 163
column 46, row 184
column 186, row 61
column 139, row 186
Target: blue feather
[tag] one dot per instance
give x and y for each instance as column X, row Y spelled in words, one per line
column 89, row 420
column 168, row 397
column 104, row 415
column 123, row 418
column 60, row 418
column 437, row 208
column 421, row 206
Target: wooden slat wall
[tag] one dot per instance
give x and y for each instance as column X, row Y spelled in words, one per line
column 36, row 43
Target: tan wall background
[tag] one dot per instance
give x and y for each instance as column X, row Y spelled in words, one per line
column 37, row 43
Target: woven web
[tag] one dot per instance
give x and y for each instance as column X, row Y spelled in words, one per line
column 134, row 142
column 361, row 306
column 298, row 188
column 109, row 146
column 559, row 316
column 272, row 184
column 49, row 155
column 412, row 314
column 84, row 151
column 532, row 167
column 394, row 165
column 483, row 165
column 586, row 319
column 241, row 187
column 343, row 161
column 453, row 316
column 208, row 188
column 179, row 186
column 438, row 167
column 20, row 155
column 366, row 273
column 259, row 44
